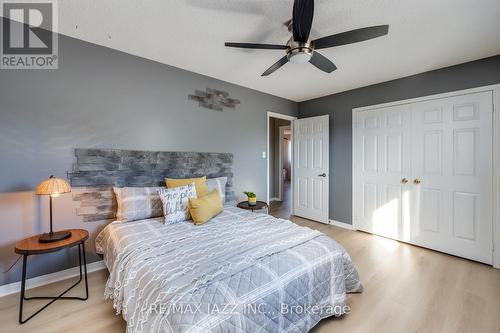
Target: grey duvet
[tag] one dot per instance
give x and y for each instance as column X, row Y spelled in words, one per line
column 239, row 272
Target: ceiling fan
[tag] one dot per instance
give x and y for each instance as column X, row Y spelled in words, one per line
column 300, row 49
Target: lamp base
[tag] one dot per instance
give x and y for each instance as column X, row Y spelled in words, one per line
column 54, row 237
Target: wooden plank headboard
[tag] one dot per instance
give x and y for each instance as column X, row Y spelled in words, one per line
column 96, row 171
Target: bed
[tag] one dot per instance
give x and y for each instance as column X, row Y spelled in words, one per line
column 239, row 272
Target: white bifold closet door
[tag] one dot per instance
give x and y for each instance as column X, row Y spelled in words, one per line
column 423, row 173
column 381, row 161
column 452, row 169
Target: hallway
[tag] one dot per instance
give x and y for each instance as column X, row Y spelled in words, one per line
column 282, row 209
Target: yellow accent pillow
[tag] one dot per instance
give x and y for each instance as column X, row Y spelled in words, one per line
column 199, row 183
column 203, row 209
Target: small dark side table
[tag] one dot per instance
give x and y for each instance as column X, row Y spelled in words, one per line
column 258, row 206
column 31, row 246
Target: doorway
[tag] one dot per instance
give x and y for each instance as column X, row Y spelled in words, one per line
column 279, row 164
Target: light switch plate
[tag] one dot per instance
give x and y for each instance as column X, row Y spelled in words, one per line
column 263, row 154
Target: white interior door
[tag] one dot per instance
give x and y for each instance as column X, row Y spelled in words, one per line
column 382, row 169
column 311, row 168
column 452, row 167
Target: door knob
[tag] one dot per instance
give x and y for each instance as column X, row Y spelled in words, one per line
column 322, row 175
column 404, row 181
column 416, row 181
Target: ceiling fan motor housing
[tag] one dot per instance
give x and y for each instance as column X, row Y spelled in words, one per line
column 299, row 52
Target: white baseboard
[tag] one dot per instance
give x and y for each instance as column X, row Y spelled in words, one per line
column 274, row 199
column 41, row 280
column 341, row 224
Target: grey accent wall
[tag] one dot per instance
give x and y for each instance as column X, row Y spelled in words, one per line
column 339, row 106
column 103, row 98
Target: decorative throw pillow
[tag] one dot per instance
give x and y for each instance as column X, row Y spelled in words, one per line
column 203, row 209
column 218, row 184
column 176, row 202
column 200, row 184
column 137, row 203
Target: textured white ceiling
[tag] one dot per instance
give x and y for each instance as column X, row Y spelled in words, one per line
column 190, row 34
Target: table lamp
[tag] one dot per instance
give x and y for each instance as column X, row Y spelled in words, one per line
column 53, row 187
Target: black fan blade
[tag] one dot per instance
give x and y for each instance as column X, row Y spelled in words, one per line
column 322, row 62
column 303, row 13
column 275, row 66
column 352, row 36
column 256, row 46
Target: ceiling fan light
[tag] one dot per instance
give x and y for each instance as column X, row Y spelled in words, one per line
column 299, row 58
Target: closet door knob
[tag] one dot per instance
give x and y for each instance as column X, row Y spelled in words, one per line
column 416, row 181
column 404, row 181
column 322, row 175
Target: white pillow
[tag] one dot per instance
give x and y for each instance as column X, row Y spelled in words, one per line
column 176, row 202
column 137, row 203
column 218, row 184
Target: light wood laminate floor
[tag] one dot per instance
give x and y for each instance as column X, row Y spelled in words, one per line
column 407, row 289
column 282, row 208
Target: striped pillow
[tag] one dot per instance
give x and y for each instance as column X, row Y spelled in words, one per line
column 137, row 203
column 218, row 184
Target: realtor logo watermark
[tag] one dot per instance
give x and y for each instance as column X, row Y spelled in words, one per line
column 28, row 39
column 250, row 309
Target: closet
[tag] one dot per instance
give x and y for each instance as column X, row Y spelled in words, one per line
column 423, row 173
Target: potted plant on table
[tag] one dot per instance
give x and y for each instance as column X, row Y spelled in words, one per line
column 252, row 198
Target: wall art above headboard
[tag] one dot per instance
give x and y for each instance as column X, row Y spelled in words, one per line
column 96, row 171
column 214, row 99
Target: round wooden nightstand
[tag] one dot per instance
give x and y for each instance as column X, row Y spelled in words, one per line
column 31, row 246
column 258, row 206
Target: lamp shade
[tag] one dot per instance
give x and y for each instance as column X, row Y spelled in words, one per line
column 53, row 186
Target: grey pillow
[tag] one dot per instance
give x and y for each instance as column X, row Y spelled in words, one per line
column 218, row 184
column 137, row 203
